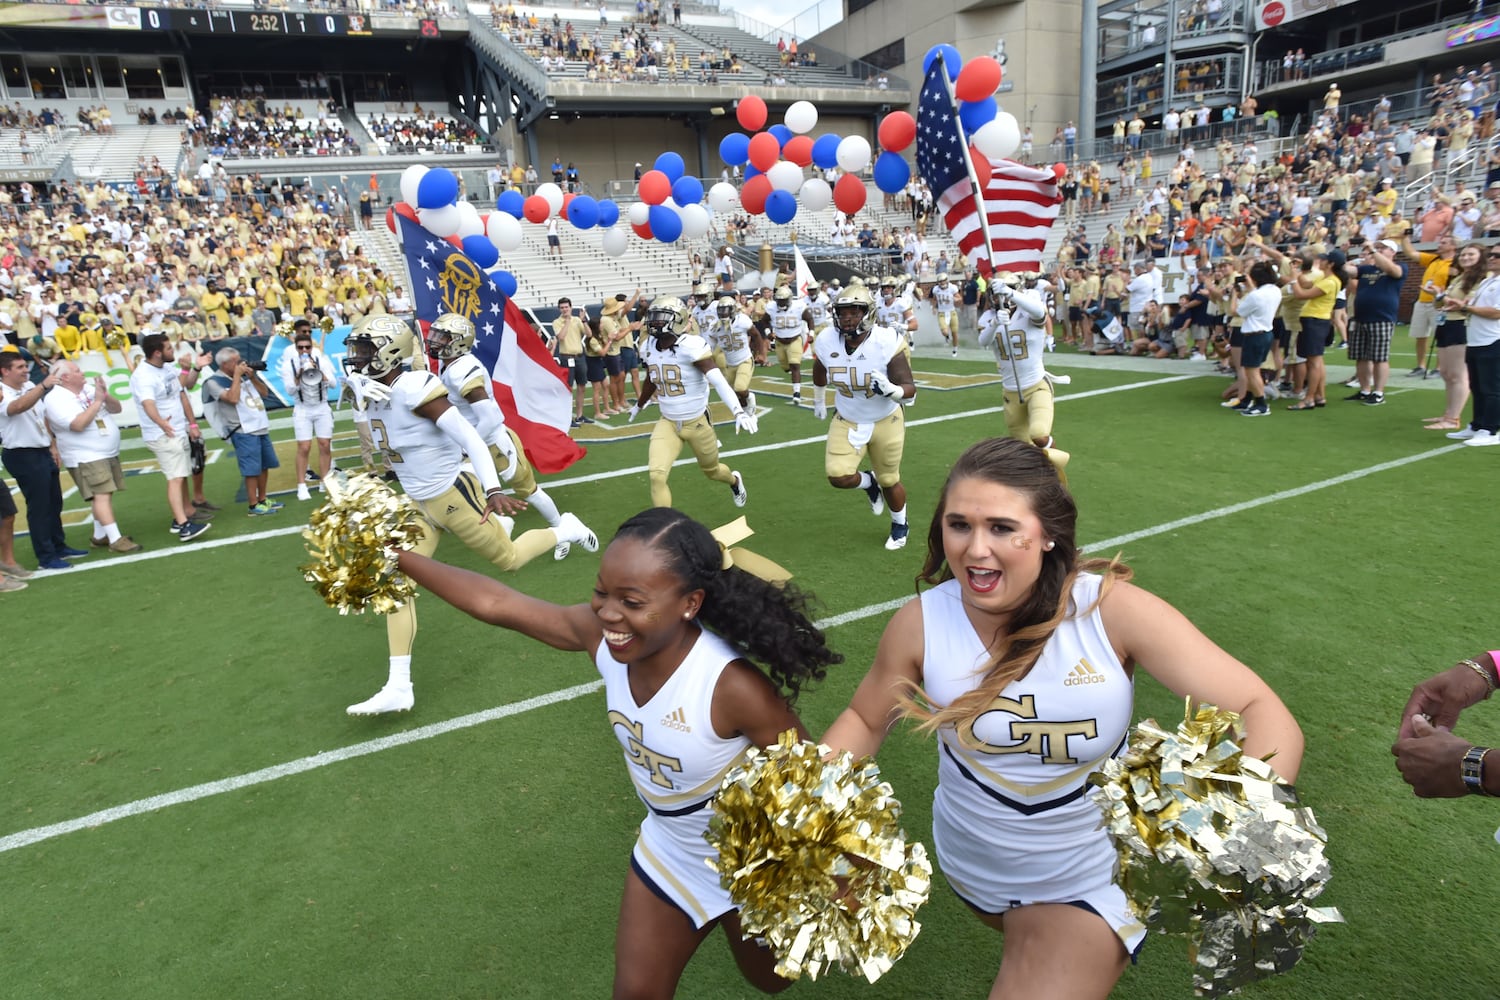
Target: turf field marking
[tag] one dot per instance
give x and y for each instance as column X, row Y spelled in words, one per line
column 35, row 835
column 592, row 477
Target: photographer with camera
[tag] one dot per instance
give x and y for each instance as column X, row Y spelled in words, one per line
column 307, row 375
column 1255, row 298
column 238, row 415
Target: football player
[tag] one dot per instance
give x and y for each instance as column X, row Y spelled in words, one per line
column 679, row 370
column 945, row 303
column 894, row 310
column 425, row 439
column 450, row 342
column 870, row 371
column 790, row 321
column 734, row 340
column 1015, row 328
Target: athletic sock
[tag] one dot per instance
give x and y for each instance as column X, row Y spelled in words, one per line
column 400, row 671
column 898, row 516
column 111, row 531
column 866, row 480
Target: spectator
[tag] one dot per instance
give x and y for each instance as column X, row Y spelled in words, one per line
column 29, row 455
column 1482, row 355
column 81, row 418
column 307, row 375
column 1436, row 763
column 167, row 426
column 237, row 395
column 1380, row 276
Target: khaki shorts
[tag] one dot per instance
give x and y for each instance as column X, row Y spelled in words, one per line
column 100, row 477
column 173, row 456
column 789, row 352
column 887, row 442
column 1028, row 414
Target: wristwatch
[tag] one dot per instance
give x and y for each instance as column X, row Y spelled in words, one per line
column 1472, row 770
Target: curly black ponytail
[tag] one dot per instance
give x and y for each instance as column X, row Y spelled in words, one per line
column 768, row 622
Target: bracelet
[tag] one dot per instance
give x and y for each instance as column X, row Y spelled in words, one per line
column 1489, row 681
column 494, row 491
column 1472, row 770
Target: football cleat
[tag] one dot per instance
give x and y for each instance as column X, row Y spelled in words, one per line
column 391, row 698
column 898, row 536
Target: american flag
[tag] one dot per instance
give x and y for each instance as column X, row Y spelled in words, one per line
column 1020, row 202
column 529, row 386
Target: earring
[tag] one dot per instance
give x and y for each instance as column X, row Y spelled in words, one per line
column 1048, row 546
column 687, row 616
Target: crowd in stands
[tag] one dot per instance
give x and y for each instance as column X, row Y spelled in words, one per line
column 423, row 131
column 630, row 53
column 250, row 127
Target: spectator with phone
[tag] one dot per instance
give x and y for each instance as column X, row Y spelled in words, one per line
column 238, row 414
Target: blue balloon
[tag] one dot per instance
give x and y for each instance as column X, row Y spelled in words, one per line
column 977, row 113
column 825, row 152
column 512, row 203
column 781, row 207
column 687, row 191
column 751, row 171
column 507, row 283
column 583, row 212
column 671, row 164
column 481, row 250
column 891, row 172
column 734, row 149
column 782, row 133
column 952, row 61
column 609, row 214
column 437, row 188
column 666, row 225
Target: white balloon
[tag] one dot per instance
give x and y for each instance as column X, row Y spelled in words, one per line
column 410, row 178
column 785, row 176
column 723, row 197
column 801, row 117
column 639, row 213
column 440, row 222
column 694, row 221
column 999, row 137
column 854, row 153
column 615, row 242
column 816, row 195
column 469, row 223
column 504, row 230
column 552, row 194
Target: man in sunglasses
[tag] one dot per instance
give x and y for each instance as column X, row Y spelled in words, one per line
column 307, row 375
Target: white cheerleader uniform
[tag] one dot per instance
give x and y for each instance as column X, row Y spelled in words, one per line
column 1012, row 822
column 677, row 762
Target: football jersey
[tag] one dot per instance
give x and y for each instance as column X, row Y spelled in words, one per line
column 821, row 309
column 1019, row 343
column 945, row 297
column 786, row 322
column 462, row 376
column 425, row 459
column 892, row 314
column 705, row 317
column 681, row 389
column 732, row 336
column 850, row 375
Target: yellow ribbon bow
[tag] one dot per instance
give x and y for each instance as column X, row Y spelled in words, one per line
column 756, row 565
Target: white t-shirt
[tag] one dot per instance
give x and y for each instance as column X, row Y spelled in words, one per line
column 100, row 439
column 1258, row 309
column 159, row 385
column 27, row 429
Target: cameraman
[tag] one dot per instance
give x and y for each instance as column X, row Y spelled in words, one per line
column 1255, row 298
column 307, row 375
column 239, row 416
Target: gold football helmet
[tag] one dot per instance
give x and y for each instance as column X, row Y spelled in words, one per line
column 449, row 337
column 854, row 312
column 378, row 345
column 667, row 320
column 727, row 307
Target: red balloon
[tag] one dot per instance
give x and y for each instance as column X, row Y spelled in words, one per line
column 978, row 79
column 402, row 209
column 643, row 230
column 454, row 239
column 764, row 151
column 897, row 130
column 655, row 187
column 536, row 208
column 753, row 195
column 982, row 169
column 751, row 113
column 1060, row 170
column 798, row 149
column 567, row 200
column 849, row 194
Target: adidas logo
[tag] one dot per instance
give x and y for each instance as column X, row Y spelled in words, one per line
column 677, row 720
column 452, row 508
column 1083, row 673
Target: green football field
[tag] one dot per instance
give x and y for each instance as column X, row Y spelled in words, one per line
column 189, row 813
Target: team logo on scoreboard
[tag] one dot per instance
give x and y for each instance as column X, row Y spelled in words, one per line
column 359, row 24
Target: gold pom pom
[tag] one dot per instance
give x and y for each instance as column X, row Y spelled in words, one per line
column 352, row 539
column 812, row 852
column 1213, row 846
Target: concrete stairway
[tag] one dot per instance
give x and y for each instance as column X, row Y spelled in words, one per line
column 114, row 157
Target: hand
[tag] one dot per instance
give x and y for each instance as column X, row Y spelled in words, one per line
column 747, row 421
column 502, row 504
column 635, row 411
column 885, row 387
column 1442, row 697
column 371, row 390
column 194, row 433
column 1430, row 760
column 49, row 381
column 820, row 406
column 168, row 430
column 99, row 387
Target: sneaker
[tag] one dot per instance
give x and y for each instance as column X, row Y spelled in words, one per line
column 311, row 477
column 955, row 352
column 577, row 422
column 54, row 563
column 1235, row 403
column 391, row 698
column 1351, row 383
column 1417, row 373
column 737, row 489
column 191, row 531
column 877, row 499
column 14, row 572
column 302, row 493
column 124, row 544
column 898, row 536
column 176, row 528
column 796, row 399
column 585, row 420
column 205, row 505
column 259, row 509
column 1358, row 397
column 1462, row 434
column 68, row 552
column 8, row 585
column 1273, row 392
column 1256, row 410
column 570, row 529
column 275, row 504
column 1482, row 439
column 1197, row 356
column 201, row 515
column 1284, row 386
column 1374, row 399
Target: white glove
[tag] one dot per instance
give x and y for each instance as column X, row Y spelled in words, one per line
column 747, row 421
column 886, row 387
column 635, row 411
column 820, row 405
column 368, row 390
column 507, row 448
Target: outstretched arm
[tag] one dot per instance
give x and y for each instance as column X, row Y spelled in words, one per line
column 574, row 628
column 861, row 728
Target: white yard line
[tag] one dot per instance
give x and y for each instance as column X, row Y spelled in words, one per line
column 25, row 838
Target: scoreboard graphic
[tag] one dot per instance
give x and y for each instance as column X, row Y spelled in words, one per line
column 285, row 23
